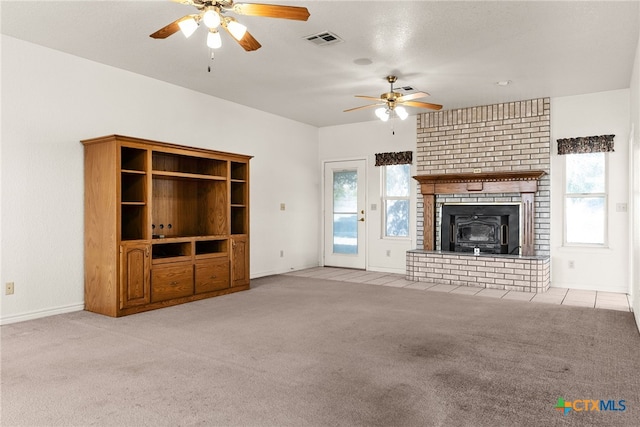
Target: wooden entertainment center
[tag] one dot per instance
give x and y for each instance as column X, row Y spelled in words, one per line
column 164, row 224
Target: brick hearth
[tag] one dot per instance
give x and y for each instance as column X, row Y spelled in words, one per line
column 512, row 273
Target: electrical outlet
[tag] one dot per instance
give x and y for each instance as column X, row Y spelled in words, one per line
column 282, row 206
column 281, row 254
column 572, row 264
column 477, row 170
column 388, row 252
column 9, row 288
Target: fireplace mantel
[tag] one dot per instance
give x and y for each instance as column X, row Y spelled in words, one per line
column 488, row 182
column 523, row 182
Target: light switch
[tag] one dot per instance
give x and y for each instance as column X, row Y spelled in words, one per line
column 621, row 207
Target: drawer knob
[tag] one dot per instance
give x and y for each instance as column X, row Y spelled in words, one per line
column 213, row 277
column 174, row 283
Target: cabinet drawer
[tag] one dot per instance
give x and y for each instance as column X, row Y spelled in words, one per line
column 171, row 281
column 212, row 275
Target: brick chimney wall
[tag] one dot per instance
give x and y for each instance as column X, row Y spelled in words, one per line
column 512, row 136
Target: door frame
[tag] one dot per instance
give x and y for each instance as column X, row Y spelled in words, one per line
column 323, row 221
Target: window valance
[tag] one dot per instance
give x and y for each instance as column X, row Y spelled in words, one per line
column 397, row 158
column 587, row 144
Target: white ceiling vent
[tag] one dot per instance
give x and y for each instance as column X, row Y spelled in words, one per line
column 324, row 38
column 406, row 90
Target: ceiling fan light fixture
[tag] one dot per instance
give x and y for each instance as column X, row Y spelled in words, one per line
column 382, row 113
column 211, row 18
column 401, row 112
column 214, row 41
column 188, row 26
column 236, row 29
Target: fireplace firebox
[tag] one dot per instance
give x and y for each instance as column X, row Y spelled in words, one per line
column 491, row 229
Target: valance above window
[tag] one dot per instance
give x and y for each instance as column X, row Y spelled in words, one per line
column 587, row 144
column 397, row 158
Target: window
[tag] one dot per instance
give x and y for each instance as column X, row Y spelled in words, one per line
column 396, row 184
column 585, row 199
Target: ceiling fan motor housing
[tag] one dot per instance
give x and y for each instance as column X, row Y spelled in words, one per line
column 393, row 99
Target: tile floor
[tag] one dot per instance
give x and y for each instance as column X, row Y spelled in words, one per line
column 572, row 297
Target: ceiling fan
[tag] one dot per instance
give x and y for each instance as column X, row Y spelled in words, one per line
column 213, row 13
column 393, row 102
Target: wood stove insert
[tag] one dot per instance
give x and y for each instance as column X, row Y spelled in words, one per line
column 487, row 229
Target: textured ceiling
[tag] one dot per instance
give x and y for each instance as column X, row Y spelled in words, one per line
column 454, row 50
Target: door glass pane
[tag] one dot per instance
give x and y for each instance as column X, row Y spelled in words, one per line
column 345, row 191
column 345, row 233
column 345, row 212
column 585, row 220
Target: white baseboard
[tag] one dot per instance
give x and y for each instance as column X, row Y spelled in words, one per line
column 402, row 270
column 255, row 275
column 15, row 318
column 621, row 289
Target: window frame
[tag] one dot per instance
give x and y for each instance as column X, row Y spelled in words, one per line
column 383, row 203
column 603, row 195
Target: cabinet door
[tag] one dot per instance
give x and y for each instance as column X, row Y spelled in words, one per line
column 135, row 268
column 239, row 260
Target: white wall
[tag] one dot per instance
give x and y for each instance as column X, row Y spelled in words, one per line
column 51, row 101
column 602, row 269
column 635, row 187
column 363, row 141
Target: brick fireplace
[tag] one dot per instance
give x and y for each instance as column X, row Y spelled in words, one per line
column 494, row 154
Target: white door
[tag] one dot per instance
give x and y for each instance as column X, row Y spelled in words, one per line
column 344, row 219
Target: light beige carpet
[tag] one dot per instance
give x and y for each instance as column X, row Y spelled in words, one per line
column 295, row 351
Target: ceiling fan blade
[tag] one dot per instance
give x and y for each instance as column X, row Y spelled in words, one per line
column 369, row 97
column 412, row 96
column 364, row 106
column 170, row 29
column 422, row 105
column 248, row 42
column 272, row 11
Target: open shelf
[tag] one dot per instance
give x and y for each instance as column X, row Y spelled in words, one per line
column 192, row 207
column 171, row 251
column 184, row 175
column 133, row 220
column 239, row 171
column 169, row 162
column 239, row 220
column 207, row 248
column 133, row 159
column 133, row 187
column 238, row 193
